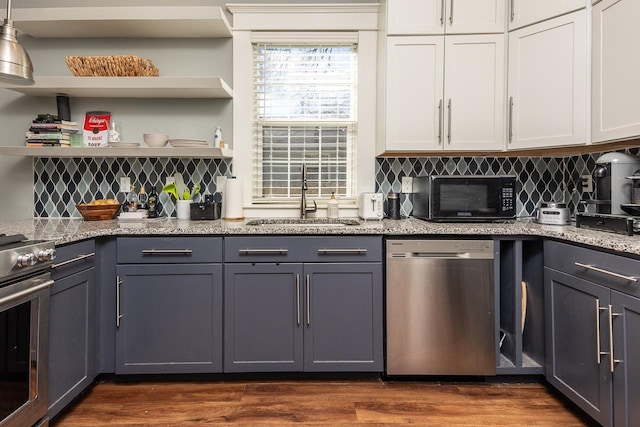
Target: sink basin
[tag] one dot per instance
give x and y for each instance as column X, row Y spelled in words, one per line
column 295, row 222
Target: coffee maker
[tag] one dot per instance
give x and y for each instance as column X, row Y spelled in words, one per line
column 612, row 187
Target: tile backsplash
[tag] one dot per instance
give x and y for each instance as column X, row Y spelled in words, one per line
column 61, row 183
column 540, row 179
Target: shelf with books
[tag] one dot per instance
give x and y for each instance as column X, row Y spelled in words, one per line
column 146, row 152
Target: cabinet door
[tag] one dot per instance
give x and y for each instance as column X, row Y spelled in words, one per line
column 615, row 68
column 413, row 17
column 72, row 335
column 263, row 317
column 525, row 12
column 343, row 317
column 414, row 90
column 626, row 376
column 475, row 16
column 577, row 333
column 474, row 92
column 547, row 83
column 421, row 17
column 171, row 318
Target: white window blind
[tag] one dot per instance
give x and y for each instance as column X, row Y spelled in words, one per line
column 304, row 99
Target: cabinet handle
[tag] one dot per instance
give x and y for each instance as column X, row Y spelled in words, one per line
column 118, row 315
column 598, row 351
column 449, row 118
column 71, row 261
column 612, row 359
column 510, row 119
column 442, row 12
column 513, row 11
column 298, row 298
column 607, row 272
column 440, row 122
column 263, row 251
column 346, row 251
column 167, row 252
column 308, row 286
column 451, row 14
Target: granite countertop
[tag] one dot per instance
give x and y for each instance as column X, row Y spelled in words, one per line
column 69, row 230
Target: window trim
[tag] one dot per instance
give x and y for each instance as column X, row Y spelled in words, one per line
column 353, row 19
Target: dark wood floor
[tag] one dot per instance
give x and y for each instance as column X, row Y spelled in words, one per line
column 312, row 402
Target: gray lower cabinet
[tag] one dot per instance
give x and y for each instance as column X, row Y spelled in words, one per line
column 263, row 318
column 592, row 303
column 169, row 309
column 626, row 376
column 72, row 324
column 576, row 335
column 284, row 312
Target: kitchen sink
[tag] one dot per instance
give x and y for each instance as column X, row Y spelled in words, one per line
column 295, row 222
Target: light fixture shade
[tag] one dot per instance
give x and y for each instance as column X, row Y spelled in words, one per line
column 15, row 64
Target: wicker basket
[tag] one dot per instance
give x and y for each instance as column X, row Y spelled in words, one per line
column 111, row 66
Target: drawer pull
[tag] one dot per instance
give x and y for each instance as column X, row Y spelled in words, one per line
column 167, row 252
column 71, row 261
column 263, row 251
column 609, row 273
column 346, row 251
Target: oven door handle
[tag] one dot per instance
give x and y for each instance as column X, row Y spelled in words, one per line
column 26, row 292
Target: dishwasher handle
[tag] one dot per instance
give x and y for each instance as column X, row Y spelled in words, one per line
column 447, row 255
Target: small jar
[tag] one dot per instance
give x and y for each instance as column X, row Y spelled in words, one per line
column 393, row 205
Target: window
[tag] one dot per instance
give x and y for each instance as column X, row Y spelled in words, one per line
column 304, row 111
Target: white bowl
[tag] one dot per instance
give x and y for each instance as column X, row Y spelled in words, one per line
column 155, row 140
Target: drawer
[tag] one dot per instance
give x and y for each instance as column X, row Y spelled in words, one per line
column 73, row 257
column 303, row 249
column 168, row 250
column 613, row 271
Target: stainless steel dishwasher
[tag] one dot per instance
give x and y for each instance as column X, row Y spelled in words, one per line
column 440, row 307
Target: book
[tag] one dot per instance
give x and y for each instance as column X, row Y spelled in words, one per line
column 61, row 126
column 48, row 135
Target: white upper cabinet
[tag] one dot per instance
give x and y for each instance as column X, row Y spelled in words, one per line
column 474, row 93
column 526, row 12
column 615, row 70
column 444, row 93
column 423, row 17
column 548, row 83
column 414, row 82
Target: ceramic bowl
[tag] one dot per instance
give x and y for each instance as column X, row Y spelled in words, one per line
column 155, row 140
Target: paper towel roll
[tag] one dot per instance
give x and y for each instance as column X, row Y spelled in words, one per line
column 233, row 199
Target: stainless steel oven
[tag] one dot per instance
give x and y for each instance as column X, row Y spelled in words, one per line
column 25, row 280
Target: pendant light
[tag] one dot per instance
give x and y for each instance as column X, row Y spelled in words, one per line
column 15, row 64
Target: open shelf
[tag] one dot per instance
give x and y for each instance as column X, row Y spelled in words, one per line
column 521, row 307
column 126, row 87
column 201, row 153
column 128, row 22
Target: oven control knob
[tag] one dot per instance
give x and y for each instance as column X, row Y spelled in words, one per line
column 26, row 260
column 47, row 255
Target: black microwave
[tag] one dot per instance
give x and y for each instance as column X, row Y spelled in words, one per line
column 464, row 198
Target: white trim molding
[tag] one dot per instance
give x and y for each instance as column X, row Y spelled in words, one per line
column 304, row 17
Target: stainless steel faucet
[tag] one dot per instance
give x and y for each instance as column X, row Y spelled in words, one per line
column 304, row 210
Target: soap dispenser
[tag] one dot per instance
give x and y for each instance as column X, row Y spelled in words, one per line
column 333, row 208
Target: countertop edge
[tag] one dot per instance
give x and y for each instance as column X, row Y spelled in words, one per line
column 64, row 231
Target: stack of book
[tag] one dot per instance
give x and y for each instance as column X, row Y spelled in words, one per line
column 48, row 131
